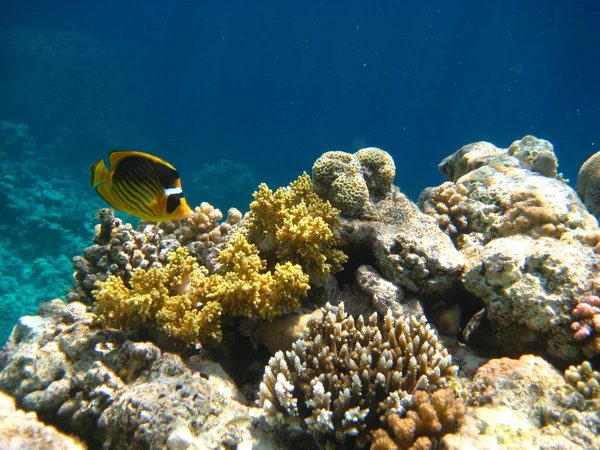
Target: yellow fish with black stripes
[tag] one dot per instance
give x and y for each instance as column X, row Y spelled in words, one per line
column 142, row 185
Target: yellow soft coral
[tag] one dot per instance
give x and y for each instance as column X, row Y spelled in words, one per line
column 186, row 303
column 246, row 289
column 297, row 226
column 161, row 299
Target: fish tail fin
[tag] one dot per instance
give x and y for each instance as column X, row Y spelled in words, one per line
column 99, row 173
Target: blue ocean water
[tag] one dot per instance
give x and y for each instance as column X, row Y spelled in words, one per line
column 238, row 93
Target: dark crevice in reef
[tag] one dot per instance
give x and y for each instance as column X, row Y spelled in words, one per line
column 358, row 255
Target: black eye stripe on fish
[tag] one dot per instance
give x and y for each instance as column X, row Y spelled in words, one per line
column 173, row 202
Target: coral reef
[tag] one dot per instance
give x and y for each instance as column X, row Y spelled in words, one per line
column 348, row 181
column 503, row 261
column 117, row 393
column 297, row 226
column 588, row 183
column 343, row 377
column 448, row 204
column 19, row 429
column 117, row 249
column 203, row 226
column 408, row 247
column 428, row 417
column 527, row 286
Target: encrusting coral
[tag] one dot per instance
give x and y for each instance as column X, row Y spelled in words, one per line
column 345, row 377
column 448, row 204
column 296, row 226
column 186, row 302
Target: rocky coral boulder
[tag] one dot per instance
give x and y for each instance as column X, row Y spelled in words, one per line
column 527, row 239
column 527, row 403
column 527, row 286
column 21, row 430
column 407, row 246
column 63, row 366
column 588, row 183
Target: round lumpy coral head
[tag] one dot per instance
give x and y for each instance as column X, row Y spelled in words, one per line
column 378, row 169
column 348, row 181
column 588, row 184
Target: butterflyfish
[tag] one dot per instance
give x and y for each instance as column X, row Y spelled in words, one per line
column 142, row 185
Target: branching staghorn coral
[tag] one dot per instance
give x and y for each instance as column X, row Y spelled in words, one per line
column 186, row 302
column 343, row 378
column 296, row 226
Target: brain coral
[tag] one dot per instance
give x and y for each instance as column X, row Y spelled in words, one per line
column 343, row 377
column 348, row 181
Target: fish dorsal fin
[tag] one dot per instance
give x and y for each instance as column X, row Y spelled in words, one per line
column 117, row 155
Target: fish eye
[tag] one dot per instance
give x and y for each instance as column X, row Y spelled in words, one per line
column 173, row 202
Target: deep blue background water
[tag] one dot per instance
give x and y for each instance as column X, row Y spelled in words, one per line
column 271, row 86
column 275, row 84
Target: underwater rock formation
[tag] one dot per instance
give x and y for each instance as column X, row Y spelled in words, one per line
column 406, row 245
column 64, row 366
column 501, row 260
column 21, row 430
column 527, row 403
column 527, row 239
